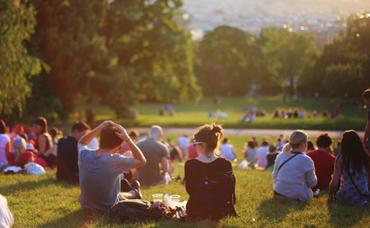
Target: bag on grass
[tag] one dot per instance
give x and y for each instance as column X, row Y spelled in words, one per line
column 34, row 169
column 6, row 217
column 142, row 210
column 243, row 165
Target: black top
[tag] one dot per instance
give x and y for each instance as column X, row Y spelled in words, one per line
column 197, row 174
column 67, row 158
column 271, row 157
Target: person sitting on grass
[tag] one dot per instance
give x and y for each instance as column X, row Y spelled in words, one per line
column 366, row 96
column 100, row 170
column 350, row 183
column 4, row 144
column 157, row 156
column 323, row 160
column 209, row 179
column 43, row 141
column 294, row 172
column 250, row 154
column 67, row 154
column 227, row 150
column 262, row 154
column 271, row 157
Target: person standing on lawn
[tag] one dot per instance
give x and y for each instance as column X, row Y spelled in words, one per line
column 100, row 170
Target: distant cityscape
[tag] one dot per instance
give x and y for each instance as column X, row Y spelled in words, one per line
column 323, row 18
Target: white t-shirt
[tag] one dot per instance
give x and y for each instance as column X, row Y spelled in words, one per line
column 296, row 178
column 262, row 156
column 227, row 152
column 183, row 142
column 4, row 139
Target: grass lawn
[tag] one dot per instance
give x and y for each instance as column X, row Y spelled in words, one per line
column 191, row 114
column 42, row 202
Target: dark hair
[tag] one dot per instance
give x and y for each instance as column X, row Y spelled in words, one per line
column 54, row 132
column 226, row 140
column 272, row 148
column 42, row 122
column 324, row 141
column 133, row 134
column 310, row 146
column 366, row 94
column 24, row 136
column 354, row 154
column 265, row 143
column 251, row 144
column 3, row 127
column 110, row 137
column 80, row 126
column 210, row 134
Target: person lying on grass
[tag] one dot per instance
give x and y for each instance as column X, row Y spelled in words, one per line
column 100, row 170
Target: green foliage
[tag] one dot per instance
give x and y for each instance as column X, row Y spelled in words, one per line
column 287, row 55
column 228, row 61
column 17, row 21
column 151, row 54
column 345, row 61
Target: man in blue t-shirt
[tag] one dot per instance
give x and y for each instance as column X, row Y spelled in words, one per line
column 366, row 96
column 100, row 170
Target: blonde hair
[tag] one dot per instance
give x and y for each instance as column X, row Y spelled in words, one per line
column 295, row 139
column 211, row 134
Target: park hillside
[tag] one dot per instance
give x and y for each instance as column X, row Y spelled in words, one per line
column 48, row 203
column 126, row 60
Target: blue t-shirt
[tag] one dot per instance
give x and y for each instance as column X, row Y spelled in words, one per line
column 100, row 180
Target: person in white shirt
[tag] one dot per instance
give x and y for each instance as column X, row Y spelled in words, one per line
column 4, row 144
column 183, row 142
column 262, row 154
column 227, row 150
column 294, row 172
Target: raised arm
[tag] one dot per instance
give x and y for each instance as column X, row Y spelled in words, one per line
column 88, row 137
column 136, row 152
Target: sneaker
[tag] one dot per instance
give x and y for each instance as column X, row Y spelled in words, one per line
column 136, row 187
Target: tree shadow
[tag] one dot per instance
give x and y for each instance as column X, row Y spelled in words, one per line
column 25, row 186
column 275, row 210
column 73, row 219
column 345, row 215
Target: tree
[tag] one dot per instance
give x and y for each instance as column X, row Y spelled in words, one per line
column 16, row 65
column 228, row 60
column 287, row 55
column 151, row 55
column 68, row 40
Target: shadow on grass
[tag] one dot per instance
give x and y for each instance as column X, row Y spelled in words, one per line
column 341, row 215
column 275, row 210
column 25, row 186
column 73, row 219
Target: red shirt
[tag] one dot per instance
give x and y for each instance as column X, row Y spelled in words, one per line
column 324, row 166
column 192, row 152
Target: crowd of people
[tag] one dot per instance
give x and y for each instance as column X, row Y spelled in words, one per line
column 111, row 164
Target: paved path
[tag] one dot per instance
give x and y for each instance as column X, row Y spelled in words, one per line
column 253, row 132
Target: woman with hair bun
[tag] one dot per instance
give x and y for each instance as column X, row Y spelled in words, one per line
column 209, row 179
column 294, row 172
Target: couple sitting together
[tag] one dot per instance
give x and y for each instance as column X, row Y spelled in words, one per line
column 209, row 179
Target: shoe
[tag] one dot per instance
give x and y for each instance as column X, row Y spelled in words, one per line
column 136, row 187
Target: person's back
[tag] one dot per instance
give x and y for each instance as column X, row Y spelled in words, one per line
column 67, row 167
column 206, row 202
column 292, row 180
column 262, row 156
column 154, row 151
column 4, row 141
column 324, row 167
column 348, row 192
column 251, row 155
column 227, row 152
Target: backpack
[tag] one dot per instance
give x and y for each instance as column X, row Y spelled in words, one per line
column 142, row 210
column 216, row 196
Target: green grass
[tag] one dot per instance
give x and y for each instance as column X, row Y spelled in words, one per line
column 191, row 114
column 42, row 202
